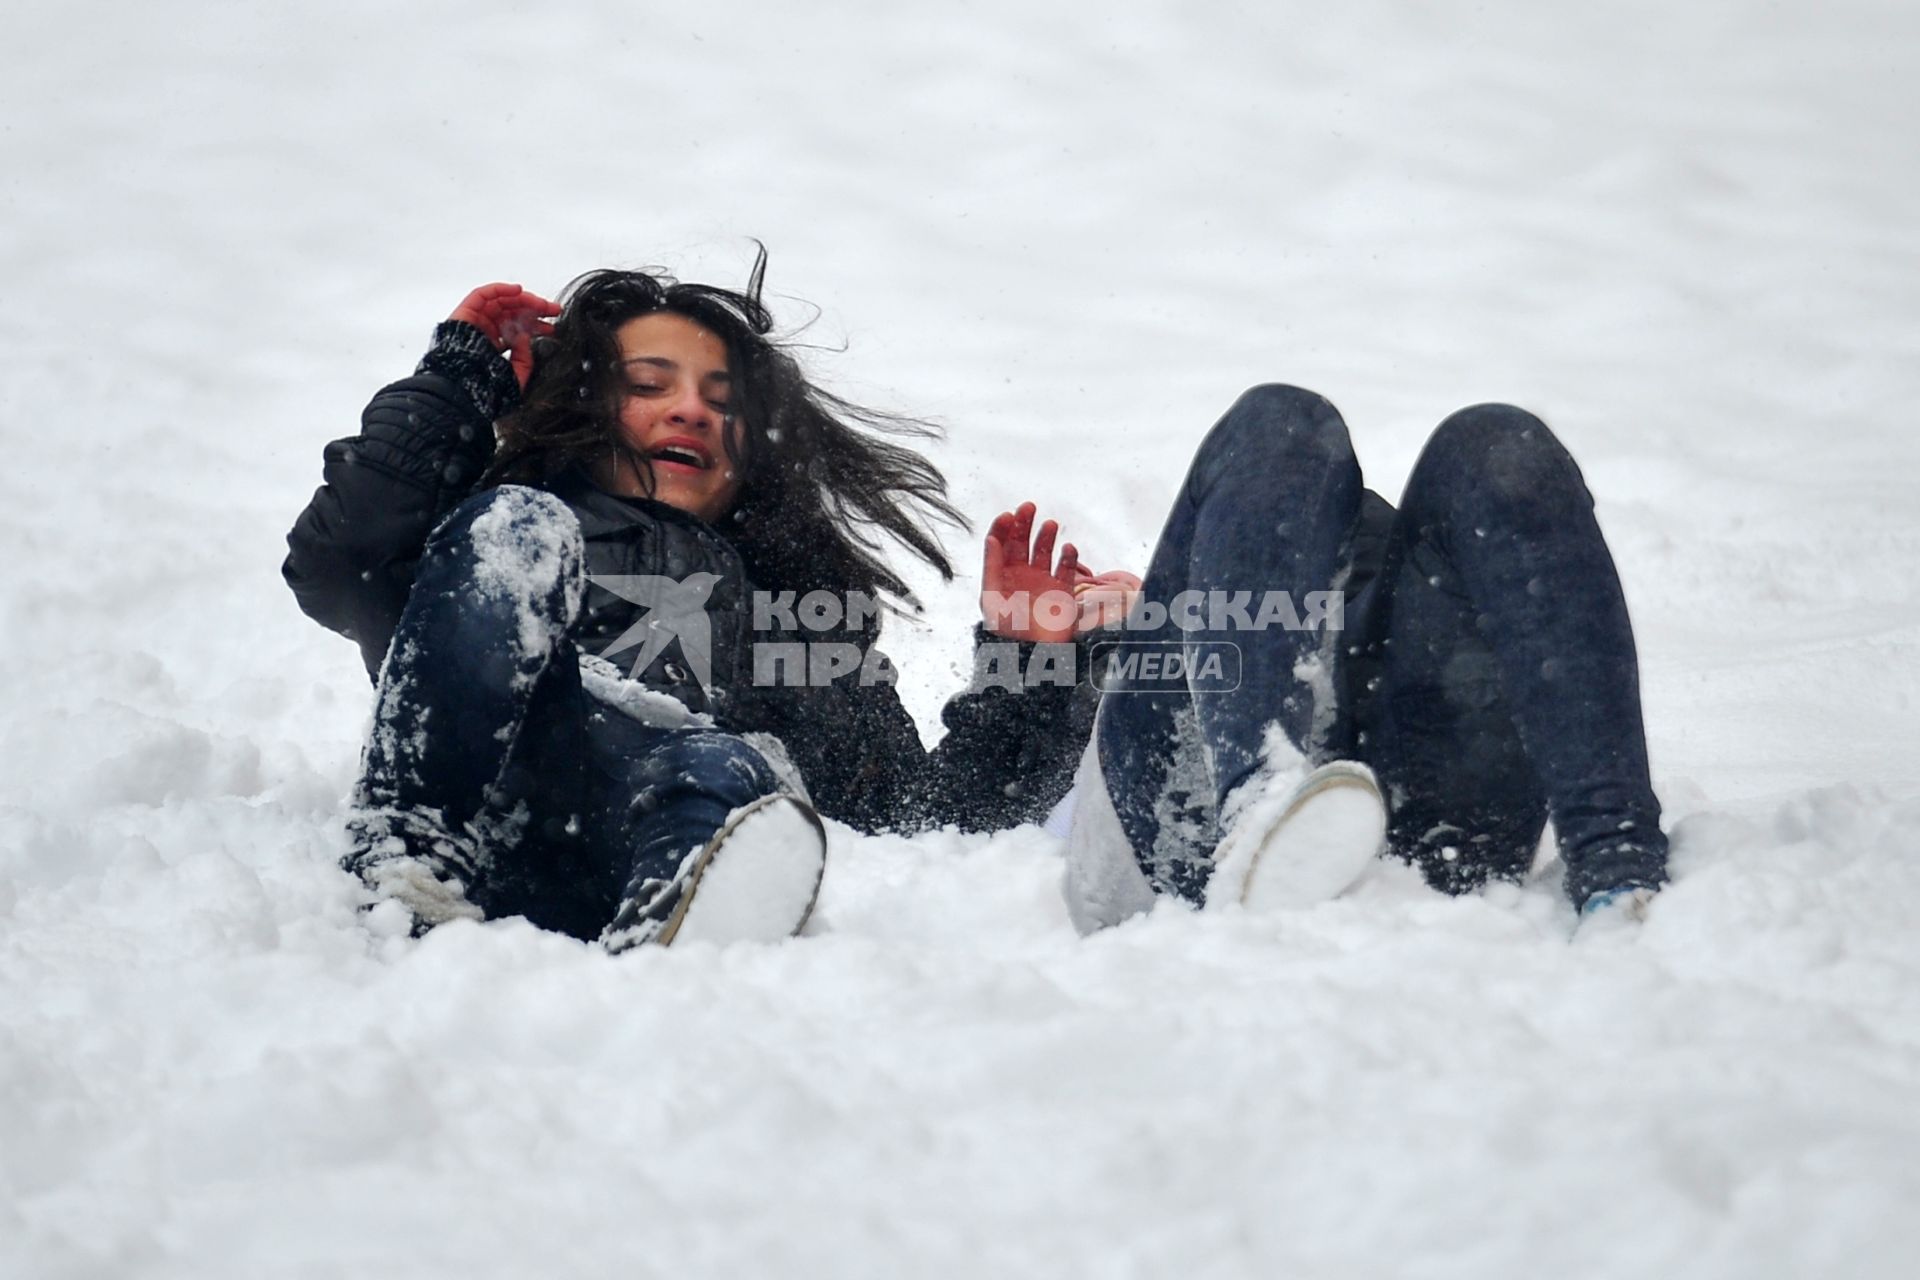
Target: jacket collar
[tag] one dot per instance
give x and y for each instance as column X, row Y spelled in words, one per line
column 601, row 512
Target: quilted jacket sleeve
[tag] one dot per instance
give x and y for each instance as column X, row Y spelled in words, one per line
column 423, row 444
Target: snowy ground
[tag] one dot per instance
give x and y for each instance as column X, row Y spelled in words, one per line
column 1684, row 234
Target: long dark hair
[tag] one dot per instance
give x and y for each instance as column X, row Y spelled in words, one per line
column 817, row 480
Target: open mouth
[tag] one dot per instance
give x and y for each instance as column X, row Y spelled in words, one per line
column 684, row 455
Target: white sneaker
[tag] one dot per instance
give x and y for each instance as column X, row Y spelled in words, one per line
column 1303, row 844
column 756, row 880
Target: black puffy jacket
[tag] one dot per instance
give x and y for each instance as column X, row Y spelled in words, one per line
column 1009, row 753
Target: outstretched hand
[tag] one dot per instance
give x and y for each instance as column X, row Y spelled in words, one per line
column 1026, row 595
column 511, row 318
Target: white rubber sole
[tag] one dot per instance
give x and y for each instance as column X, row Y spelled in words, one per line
column 1324, row 837
column 762, row 879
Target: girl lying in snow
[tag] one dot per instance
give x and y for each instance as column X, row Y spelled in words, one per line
column 603, row 638
column 611, row 566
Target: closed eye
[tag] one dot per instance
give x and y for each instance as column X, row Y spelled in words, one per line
column 648, row 389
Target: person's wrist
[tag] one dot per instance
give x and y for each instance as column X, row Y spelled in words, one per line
column 463, row 353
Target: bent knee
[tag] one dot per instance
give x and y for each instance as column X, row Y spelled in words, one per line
column 1275, row 416
column 525, row 541
column 1503, row 447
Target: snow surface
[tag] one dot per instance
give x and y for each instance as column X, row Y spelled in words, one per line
column 1683, row 233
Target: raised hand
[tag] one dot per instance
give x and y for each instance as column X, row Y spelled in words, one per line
column 1024, row 594
column 511, row 318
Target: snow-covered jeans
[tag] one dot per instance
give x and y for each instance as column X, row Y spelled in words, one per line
column 483, row 729
column 1486, row 674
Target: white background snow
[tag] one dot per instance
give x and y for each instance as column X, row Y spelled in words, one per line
column 1685, row 234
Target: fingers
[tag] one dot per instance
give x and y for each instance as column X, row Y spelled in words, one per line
column 529, row 308
column 486, row 296
column 1043, row 545
column 520, row 353
column 997, row 535
column 518, row 312
column 1019, row 544
column 1020, row 579
column 523, row 324
column 498, row 310
column 503, row 294
column 1014, row 529
column 532, row 304
column 1020, row 531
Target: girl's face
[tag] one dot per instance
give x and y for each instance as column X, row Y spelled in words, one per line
column 675, row 415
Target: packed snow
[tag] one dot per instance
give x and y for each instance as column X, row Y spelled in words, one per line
column 1684, row 234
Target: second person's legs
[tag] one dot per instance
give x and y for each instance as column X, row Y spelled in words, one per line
column 1267, row 507
column 1497, row 679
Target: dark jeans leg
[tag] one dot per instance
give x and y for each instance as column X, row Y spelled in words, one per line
column 1498, row 681
column 642, row 799
column 660, row 794
column 1267, row 506
column 480, row 655
column 482, row 731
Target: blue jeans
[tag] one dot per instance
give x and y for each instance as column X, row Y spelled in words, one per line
column 1486, row 673
column 482, row 729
